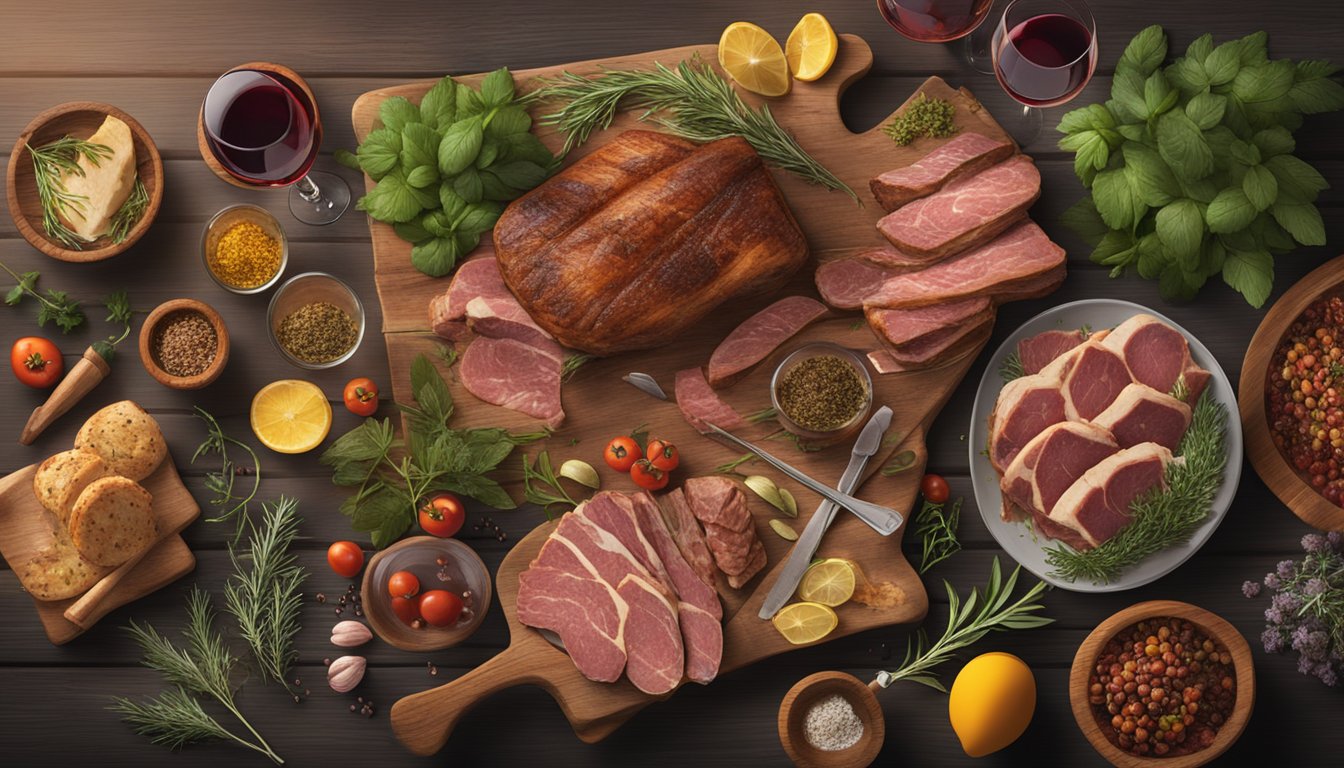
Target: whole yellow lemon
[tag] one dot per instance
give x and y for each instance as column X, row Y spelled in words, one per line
column 991, row 703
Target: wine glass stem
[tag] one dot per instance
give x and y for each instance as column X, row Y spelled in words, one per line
column 309, row 190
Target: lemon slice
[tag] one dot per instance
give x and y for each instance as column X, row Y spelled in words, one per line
column 803, row 623
column 830, row 582
column 754, row 59
column 810, row 49
column 291, row 416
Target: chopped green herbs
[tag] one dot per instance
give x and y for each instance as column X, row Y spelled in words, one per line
column 934, row 118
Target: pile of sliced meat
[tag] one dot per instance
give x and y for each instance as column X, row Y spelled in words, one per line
column 958, row 244
column 629, row 583
column 1092, row 425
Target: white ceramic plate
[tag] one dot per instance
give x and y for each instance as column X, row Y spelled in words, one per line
column 1017, row 539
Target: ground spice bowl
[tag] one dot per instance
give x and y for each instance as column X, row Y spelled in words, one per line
column 307, row 288
column 811, row 690
column 161, row 314
column 226, row 218
column 812, row 439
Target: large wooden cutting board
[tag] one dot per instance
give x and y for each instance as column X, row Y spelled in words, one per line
column 599, row 405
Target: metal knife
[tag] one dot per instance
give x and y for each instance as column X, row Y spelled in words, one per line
column 800, row 557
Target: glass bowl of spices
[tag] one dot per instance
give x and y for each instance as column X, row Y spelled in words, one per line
column 184, row 344
column 316, row 320
column 831, row 719
column 436, row 564
column 821, row 392
column 244, row 249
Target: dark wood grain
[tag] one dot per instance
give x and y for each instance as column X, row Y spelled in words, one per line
column 156, row 59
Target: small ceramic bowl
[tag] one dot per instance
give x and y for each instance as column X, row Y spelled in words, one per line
column 166, row 312
column 308, row 288
column 1218, row 628
column 79, row 119
column 807, row 693
column 813, row 438
column 221, row 222
column 467, row 577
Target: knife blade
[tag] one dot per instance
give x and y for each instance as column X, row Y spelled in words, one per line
column 800, row 557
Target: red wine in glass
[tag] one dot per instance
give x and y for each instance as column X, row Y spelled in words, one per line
column 1045, row 60
column 934, row 21
column 260, row 127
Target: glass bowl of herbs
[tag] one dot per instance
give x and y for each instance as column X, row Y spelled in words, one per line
column 822, row 393
column 316, row 321
column 244, row 249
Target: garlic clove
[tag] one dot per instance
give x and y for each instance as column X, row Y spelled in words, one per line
column 350, row 634
column 345, row 673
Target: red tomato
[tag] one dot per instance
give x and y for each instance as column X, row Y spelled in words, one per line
column 403, row 584
column 443, row 516
column 647, row 476
column 663, row 455
column 440, row 607
column 345, row 558
column 934, row 489
column 361, row 397
column 622, row 453
column 36, row 362
column 407, row 609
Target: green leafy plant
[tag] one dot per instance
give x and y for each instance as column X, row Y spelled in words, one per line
column 541, row 485
column 264, row 593
column 1191, row 167
column 446, row 167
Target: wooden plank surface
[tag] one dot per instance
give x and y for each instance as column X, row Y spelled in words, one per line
column 155, row 59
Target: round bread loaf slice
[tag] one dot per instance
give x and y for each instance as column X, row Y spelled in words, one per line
column 128, row 439
column 60, row 479
column 58, row 572
column 113, row 521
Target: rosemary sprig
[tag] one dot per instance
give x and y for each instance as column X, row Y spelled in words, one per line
column 1011, row 368
column 129, row 213
column 731, row 467
column 233, row 506
column 50, row 162
column 692, row 101
column 936, row 525
column 573, row 363
column 541, row 485
column 965, row 628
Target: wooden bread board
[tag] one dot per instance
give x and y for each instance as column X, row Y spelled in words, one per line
column 26, row 528
column 599, row 405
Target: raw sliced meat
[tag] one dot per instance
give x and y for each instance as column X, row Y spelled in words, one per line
column 504, row 318
column 732, row 549
column 886, row 256
column 965, row 213
column 966, row 154
column 931, row 348
column 1158, row 355
column 718, row 500
column 702, row 634
column 1036, row 352
column 1097, row 505
column 655, row 657
column 689, row 587
column 699, row 404
column 1141, row 414
column 615, row 513
column 1026, row 406
column 444, row 319
column 759, row 335
column 478, row 277
column 689, row 538
column 514, row 375
column 1094, row 376
column 845, row 283
column 577, row 544
column 755, row 562
column 901, row 326
column 586, row 612
column 883, row 362
column 1052, row 462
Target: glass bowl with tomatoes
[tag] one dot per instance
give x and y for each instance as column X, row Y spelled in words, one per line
column 426, row 593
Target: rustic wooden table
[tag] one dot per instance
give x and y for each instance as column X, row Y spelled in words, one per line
column 156, row 60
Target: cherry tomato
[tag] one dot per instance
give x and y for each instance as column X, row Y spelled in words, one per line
column 345, row 558
column 361, row 397
column 647, row 476
column 663, row 455
column 934, row 489
column 443, row 516
column 36, row 362
column 403, row 584
column 440, row 607
column 407, row 609
column 622, row 453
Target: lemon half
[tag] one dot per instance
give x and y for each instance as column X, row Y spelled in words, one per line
column 803, row 623
column 291, row 416
column 754, row 59
column 810, row 49
column 830, row 582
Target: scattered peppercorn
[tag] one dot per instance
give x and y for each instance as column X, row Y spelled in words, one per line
column 317, row 333
column 321, row 598
column 184, row 344
column 821, row 393
column 246, row 256
column 1305, row 397
column 935, row 118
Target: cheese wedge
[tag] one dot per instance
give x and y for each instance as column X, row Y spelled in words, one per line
column 105, row 185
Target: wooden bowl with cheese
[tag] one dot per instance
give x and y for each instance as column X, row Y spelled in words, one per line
column 100, row 193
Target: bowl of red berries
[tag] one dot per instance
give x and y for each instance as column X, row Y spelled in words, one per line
column 426, row 593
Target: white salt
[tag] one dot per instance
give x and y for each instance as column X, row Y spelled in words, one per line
column 832, row 724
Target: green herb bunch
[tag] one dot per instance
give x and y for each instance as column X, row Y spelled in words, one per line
column 936, row 525
column 56, row 307
column 1191, row 165
column 446, row 167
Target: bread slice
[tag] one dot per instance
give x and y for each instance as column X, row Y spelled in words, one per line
column 113, row 521
column 59, row 572
column 61, row 478
column 128, row 440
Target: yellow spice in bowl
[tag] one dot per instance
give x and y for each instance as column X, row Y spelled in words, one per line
column 246, row 256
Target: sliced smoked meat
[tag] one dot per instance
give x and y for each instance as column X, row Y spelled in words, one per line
column 1026, row 406
column 689, row 587
column 1036, row 352
column 901, row 326
column 702, row 634
column 965, row 213
column 655, row 658
column 502, row 317
column 587, row 613
column 884, row 363
column 1097, row 505
column 759, row 335
column 615, row 513
column 886, row 256
column 846, row 283
column 966, row 154
column 1158, row 355
column 700, row 404
column 478, row 277
column 717, row 499
column 514, row 375
column 755, row 562
column 1093, row 376
column 1052, row 462
column 1141, row 414
column 690, row 539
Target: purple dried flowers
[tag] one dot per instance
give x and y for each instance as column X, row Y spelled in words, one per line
column 1306, row 608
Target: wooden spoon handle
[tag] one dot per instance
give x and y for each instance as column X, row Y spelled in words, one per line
column 82, row 378
column 84, row 611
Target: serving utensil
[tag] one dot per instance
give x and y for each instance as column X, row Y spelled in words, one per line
column 800, row 557
column 884, row 520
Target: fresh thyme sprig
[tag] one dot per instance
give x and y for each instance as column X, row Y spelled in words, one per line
column 222, row 483
column 541, row 485
column 692, row 101
column 573, row 363
column 50, row 162
column 731, row 467
column 966, row 626
column 936, row 525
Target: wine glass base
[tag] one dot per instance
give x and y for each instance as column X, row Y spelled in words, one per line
column 332, row 198
column 1022, row 123
column 976, row 49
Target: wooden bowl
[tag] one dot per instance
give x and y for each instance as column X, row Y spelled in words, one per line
column 1281, row 477
column 203, row 144
column 812, row 689
column 418, row 555
column 1217, row 627
column 151, row 325
column 79, row 119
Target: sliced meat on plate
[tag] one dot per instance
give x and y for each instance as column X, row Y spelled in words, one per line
column 966, row 154
column 655, row 656
column 478, row 277
column 1026, row 406
column 587, row 613
column 1097, row 505
column 515, row 375
column 1141, row 414
column 965, row 213
column 901, row 326
column 1158, row 355
column 1036, row 352
column 1051, row 463
column 1093, row 376
column 700, row 404
column 690, row 540
column 759, row 335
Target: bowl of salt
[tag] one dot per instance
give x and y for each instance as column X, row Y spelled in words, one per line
column 831, row 720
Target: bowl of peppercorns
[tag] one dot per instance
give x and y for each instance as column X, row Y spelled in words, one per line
column 1162, row 683
column 184, row 344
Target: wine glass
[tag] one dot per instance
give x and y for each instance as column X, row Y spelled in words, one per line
column 262, row 127
column 1045, row 52
column 941, row 21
